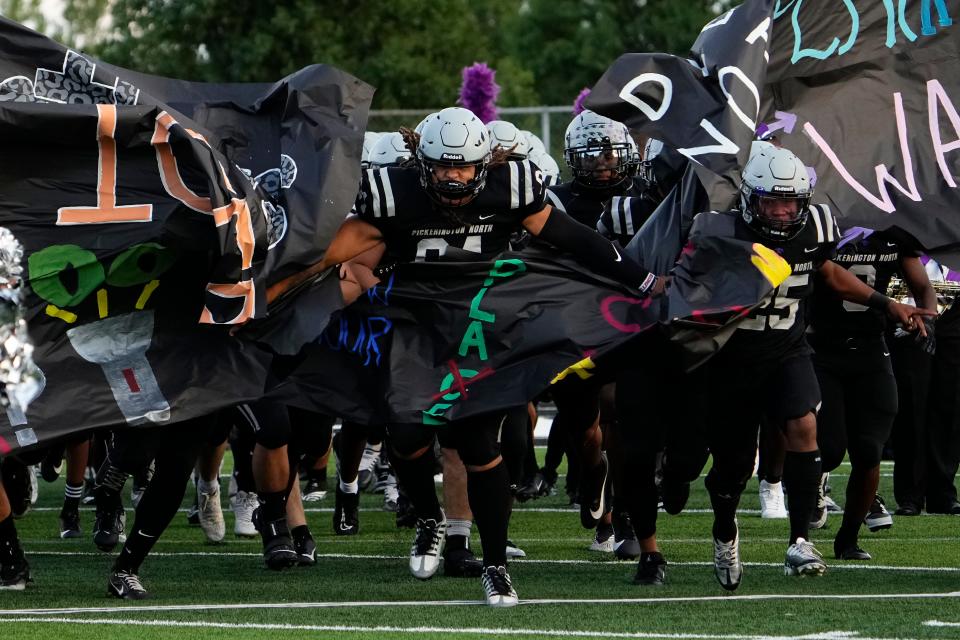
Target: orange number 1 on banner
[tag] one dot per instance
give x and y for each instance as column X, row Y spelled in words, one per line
column 107, row 210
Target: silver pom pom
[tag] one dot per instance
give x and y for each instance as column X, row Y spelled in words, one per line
column 20, row 380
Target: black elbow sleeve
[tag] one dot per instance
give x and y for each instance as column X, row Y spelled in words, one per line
column 594, row 251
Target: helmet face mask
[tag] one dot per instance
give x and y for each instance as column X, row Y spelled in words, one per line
column 778, row 217
column 453, row 138
column 600, row 151
column 775, row 193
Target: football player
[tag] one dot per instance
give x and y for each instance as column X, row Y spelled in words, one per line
column 14, row 569
column 604, row 160
column 460, row 201
column 859, row 392
column 765, row 369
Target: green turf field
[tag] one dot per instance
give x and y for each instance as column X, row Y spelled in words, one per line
column 361, row 589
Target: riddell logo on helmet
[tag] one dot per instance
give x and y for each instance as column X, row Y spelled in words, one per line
column 451, row 156
column 780, row 188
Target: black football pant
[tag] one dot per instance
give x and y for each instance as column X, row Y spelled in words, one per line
column 654, row 414
column 514, row 440
column 943, row 425
column 477, row 441
column 912, row 369
column 734, row 395
column 173, row 450
column 859, row 395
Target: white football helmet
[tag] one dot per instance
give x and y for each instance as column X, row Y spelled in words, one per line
column 600, row 151
column 369, row 139
column 423, row 122
column 453, row 137
column 536, row 144
column 548, row 167
column 390, row 150
column 775, row 192
column 506, row 135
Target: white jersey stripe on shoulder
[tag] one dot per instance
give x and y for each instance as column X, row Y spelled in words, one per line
column 828, row 222
column 374, row 193
column 628, row 215
column 514, row 185
column 555, row 201
column 815, row 214
column 388, row 193
column 527, row 183
column 615, row 214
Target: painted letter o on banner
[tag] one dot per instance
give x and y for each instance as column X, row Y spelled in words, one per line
column 627, row 94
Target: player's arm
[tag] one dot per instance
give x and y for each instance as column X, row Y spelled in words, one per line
column 918, row 282
column 592, row 250
column 850, row 287
column 356, row 275
column 353, row 238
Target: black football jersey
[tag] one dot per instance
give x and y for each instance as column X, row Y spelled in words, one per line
column 415, row 228
column 777, row 325
column 586, row 205
column 623, row 216
column 874, row 259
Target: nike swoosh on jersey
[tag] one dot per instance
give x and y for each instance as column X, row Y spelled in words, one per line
column 487, row 217
column 810, row 250
column 617, row 253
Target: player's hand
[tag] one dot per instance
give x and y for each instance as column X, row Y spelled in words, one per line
column 660, row 286
column 928, row 341
column 910, row 317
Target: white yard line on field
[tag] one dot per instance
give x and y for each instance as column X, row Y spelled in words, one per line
column 484, row 631
column 5, row 614
column 600, row 561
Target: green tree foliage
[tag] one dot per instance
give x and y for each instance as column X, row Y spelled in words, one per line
column 25, row 12
column 544, row 51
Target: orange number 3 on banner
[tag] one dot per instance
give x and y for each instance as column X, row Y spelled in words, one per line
column 107, row 210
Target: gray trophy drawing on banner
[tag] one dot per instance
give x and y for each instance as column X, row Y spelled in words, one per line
column 119, row 345
column 21, row 381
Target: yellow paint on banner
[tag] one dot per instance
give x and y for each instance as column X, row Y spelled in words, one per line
column 57, row 312
column 147, row 292
column 768, row 262
column 102, row 308
column 582, row 369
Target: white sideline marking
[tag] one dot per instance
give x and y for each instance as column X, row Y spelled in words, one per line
column 458, row 603
column 334, row 542
column 938, row 623
column 828, row 635
column 600, row 561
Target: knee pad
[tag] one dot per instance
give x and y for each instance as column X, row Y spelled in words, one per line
column 273, row 436
column 269, row 422
column 730, row 483
column 407, row 439
column 865, row 452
